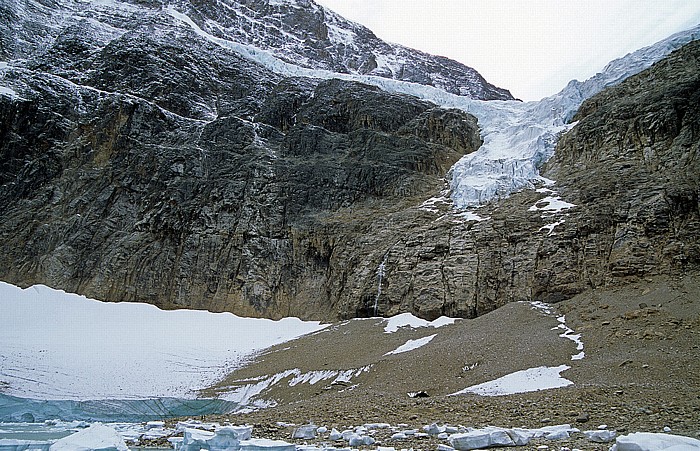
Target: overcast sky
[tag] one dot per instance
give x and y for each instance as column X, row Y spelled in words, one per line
column 532, row 47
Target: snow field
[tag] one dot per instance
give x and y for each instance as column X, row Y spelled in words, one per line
column 57, row 345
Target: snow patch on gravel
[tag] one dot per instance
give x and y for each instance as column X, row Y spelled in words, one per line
column 529, row 380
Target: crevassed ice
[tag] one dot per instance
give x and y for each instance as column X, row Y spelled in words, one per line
column 518, row 137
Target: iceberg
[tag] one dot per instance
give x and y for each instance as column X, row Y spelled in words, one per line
column 647, row 441
column 97, row 437
column 496, row 436
column 261, row 444
column 227, row 438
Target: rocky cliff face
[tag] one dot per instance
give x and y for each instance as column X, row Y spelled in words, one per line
column 632, row 165
column 132, row 199
column 150, row 162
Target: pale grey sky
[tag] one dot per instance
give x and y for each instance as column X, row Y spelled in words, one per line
column 532, row 47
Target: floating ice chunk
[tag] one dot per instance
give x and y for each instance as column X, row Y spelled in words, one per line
column 600, row 436
column 646, row 441
column 495, row 436
column 97, row 437
column 482, row 438
column 532, row 379
column 356, row 440
column 306, row 432
column 224, row 438
column 434, row 429
column 335, row 435
column 261, row 444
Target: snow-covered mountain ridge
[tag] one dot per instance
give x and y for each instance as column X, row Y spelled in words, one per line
column 298, row 32
column 518, row 137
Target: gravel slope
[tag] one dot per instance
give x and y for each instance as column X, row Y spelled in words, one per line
column 641, row 370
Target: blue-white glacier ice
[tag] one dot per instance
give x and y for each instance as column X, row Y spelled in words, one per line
column 518, row 137
column 15, row 409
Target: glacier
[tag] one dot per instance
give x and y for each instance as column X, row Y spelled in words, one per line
column 14, row 409
column 66, row 356
column 519, row 137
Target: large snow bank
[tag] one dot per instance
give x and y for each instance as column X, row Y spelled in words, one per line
column 532, row 379
column 97, row 437
column 61, row 346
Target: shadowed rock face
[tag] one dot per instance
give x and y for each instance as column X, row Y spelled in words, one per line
column 139, row 197
column 159, row 167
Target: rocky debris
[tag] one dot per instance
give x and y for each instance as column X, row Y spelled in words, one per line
column 624, row 399
column 375, row 436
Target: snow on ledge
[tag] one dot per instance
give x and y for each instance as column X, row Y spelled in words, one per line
column 408, row 320
column 532, row 379
column 551, row 204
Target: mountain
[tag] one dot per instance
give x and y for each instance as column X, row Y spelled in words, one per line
column 155, row 153
column 296, row 31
